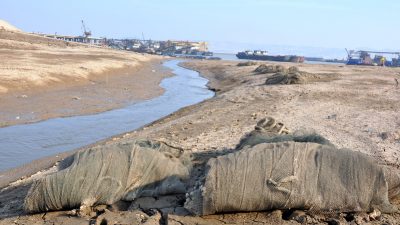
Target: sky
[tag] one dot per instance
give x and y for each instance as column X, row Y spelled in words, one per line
column 228, row 25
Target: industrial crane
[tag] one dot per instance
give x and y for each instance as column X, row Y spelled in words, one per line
column 363, row 57
column 352, row 52
column 86, row 32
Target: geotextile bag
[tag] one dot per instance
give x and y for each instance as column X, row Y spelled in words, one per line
column 287, row 175
column 109, row 173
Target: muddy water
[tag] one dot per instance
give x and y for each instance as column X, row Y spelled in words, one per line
column 21, row 144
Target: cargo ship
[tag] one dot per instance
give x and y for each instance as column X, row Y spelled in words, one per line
column 263, row 55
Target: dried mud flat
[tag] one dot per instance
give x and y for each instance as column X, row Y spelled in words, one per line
column 43, row 78
column 359, row 110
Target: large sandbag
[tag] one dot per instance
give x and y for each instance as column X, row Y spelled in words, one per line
column 291, row 175
column 268, row 130
column 106, row 174
column 294, row 76
column 392, row 176
column 270, row 69
column 287, row 78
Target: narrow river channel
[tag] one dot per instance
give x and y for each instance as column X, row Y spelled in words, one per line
column 21, row 144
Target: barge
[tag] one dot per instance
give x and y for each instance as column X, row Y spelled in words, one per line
column 263, row 55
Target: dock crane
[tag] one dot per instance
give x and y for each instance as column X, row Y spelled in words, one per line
column 363, row 57
column 86, row 32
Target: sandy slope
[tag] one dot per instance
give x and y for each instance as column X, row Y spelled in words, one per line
column 357, row 110
column 29, row 60
column 4, row 25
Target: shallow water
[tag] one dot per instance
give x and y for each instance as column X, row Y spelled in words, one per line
column 21, row 144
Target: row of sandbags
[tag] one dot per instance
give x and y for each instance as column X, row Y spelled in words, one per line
column 269, row 169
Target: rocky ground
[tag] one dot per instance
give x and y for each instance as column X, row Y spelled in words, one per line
column 353, row 107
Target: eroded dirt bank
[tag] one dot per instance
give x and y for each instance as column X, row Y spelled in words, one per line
column 358, row 109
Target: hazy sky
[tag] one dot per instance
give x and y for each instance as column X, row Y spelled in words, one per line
column 314, row 23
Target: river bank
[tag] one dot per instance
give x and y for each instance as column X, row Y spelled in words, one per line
column 98, row 93
column 43, row 78
column 55, row 136
column 357, row 110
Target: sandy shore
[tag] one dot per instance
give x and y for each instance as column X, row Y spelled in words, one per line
column 358, row 110
column 42, row 78
column 99, row 93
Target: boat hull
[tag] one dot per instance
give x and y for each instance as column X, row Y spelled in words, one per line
column 278, row 58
